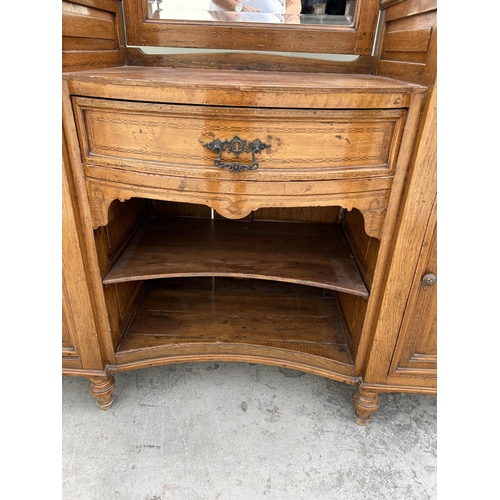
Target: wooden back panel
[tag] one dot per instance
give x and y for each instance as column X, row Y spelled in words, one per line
column 250, row 61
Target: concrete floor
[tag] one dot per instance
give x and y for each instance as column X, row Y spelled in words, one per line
column 236, row 431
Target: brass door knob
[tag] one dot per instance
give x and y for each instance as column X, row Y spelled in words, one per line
column 429, row 279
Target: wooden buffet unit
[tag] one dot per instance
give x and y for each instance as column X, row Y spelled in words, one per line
column 281, row 213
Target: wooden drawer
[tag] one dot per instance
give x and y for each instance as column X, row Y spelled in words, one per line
column 296, row 144
column 324, row 141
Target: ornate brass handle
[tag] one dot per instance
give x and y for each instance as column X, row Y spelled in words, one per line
column 236, row 146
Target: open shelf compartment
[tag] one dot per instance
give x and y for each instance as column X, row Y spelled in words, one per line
column 307, row 254
column 189, row 319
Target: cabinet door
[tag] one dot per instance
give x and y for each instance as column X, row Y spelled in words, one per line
column 415, row 354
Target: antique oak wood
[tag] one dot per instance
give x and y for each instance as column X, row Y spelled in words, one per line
column 202, row 319
column 92, row 37
column 403, row 353
column 313, row 258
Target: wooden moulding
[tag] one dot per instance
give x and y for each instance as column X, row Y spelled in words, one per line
column 228, row 319
column 309, row 254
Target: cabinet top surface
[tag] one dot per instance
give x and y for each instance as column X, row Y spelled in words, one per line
column 152, row 76
column 264, row 89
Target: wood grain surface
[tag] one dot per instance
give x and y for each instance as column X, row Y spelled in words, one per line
column 239, row 320
column 312, row 254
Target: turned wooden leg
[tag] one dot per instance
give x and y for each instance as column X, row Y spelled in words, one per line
column 102, row 388
column 365, row 402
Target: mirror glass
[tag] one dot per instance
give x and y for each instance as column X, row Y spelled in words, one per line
column 312, row 12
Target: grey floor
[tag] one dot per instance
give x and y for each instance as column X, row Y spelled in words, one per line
column 231, row 431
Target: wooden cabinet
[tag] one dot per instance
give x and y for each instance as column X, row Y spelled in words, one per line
column 260, row 216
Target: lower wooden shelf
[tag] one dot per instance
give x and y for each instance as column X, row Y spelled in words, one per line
column 232, row 319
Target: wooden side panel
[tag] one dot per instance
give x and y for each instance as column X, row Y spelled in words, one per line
column 80, row 347
column 124, row 220
column 409, row 41
column 92, row 34
column 365, row 250
column 361, row 243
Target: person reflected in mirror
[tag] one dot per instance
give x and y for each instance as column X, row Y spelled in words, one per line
column 256, row 11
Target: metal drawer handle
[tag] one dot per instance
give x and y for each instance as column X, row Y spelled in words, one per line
column 236, row 146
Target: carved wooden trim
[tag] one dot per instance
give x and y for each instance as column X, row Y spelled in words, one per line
column 372, row 204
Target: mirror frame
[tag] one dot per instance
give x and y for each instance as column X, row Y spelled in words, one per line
column 357, row 39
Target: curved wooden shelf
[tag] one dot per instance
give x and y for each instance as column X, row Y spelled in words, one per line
column 308, row 254
column 226, row 319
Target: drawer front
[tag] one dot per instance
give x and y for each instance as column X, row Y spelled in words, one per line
column 296, row 144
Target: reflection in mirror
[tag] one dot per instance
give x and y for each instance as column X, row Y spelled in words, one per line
column 319, row 12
